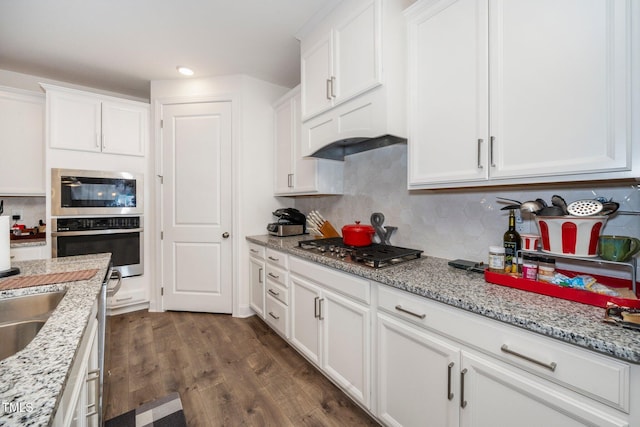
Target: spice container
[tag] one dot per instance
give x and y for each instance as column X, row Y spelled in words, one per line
column 529, row 267
column 496, row 259
column 546, row 269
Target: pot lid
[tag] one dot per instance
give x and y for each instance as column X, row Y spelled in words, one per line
column 357, row 227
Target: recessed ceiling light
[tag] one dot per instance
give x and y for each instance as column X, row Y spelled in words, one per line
column 185, row 71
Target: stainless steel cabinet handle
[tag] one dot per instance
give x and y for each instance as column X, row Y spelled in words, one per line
column 320, row 309
column 449, row 371
column 274, row 259
column 274, row 293
column 274, row 316
column 550, row 366
column 328, row 89
column 463, row 403
column 273, row 276
column 333, row 83
column 290, row 180
column 260, row 275
column 480, row 141
column 315, row 307
column 123, row 299
column 491, row 143
column 255, row 251
column 115, row 274
column 404, row 310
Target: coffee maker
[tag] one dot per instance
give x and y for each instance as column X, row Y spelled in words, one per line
column 291, row 222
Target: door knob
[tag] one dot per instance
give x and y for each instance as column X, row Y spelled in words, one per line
column 225, row 235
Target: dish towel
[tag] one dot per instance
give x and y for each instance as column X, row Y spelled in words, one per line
column 164, row 412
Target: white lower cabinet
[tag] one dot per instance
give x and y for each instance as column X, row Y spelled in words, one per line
column 331, row 326
column 79, row 404
column 26, row 253
column 256, row 278
column 430, row 374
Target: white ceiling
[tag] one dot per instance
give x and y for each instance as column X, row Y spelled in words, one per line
column 121, row 45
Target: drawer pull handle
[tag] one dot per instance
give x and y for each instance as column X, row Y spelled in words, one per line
column 315, row 307
column 274, row 316
column 550, row 366
column 274, row 293
column 404, row 310
column 449, row 370
column 274, row 259
column 255, row 251
column 123, row 299
column 273, row 276
column 463, row 402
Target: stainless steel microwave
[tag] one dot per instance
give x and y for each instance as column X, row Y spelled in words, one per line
column 85, row 192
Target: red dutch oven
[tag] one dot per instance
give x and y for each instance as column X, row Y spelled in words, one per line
column 357, row 235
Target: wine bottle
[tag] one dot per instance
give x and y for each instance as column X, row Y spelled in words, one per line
column 511, row 241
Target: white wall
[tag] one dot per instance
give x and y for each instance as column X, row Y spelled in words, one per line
column 252, row 164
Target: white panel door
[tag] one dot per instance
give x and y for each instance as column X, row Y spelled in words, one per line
column 196, row 207
column 316, row 67
column 305, row 327
column 124, row 128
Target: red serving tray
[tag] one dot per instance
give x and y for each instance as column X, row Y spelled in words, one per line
column 571, row 294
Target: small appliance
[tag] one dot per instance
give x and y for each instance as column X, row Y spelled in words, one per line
column 291, row 222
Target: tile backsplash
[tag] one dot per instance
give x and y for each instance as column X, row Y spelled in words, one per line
column 460, row 223
column 32, row 209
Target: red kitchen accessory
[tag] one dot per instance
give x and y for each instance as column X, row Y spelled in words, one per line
column 357, row 235
column 571, row 235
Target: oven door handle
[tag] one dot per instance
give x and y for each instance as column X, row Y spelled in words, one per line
column 96, row 232
column 115, row 274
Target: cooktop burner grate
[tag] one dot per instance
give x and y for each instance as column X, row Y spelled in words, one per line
column 375, row 255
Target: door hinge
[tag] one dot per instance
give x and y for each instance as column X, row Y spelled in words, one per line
column 162, row 235
column 162, row 291
column 161, row 124
column 161, row 179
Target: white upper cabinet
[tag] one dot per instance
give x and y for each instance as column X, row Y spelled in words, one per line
column 353, row 73
column 89, row 122
column 504, row 92
column 22, row 143
column 343, row 62
column 295, row 174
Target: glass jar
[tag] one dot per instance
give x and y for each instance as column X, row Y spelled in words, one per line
column 529, row 267
column 496, row 259
column 546, row 269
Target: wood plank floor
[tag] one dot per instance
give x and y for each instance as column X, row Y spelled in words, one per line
column 228, row 371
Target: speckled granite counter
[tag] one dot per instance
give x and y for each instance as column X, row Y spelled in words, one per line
column 432, row 278
column 36, row 376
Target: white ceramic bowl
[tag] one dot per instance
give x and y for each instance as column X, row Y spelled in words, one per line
column 571, row 235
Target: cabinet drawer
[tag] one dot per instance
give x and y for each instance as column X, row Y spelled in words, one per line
column 276, row 274
column 277, row 316
column 346, row 284
column 277, row 291
column 256, row 250
column 277, row 258
column 599, row 377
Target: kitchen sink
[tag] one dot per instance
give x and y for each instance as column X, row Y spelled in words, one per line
column 15, row 336
column 21, row 318
column 29, row 306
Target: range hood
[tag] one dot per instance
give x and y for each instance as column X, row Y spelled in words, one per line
column 345, row 147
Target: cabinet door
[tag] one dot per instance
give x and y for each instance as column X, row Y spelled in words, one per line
column 448, row 92
column 356, row 53
column 305, row 170
column 316, row 71
column 256, row 281
column 74, row 121
column 498, row 395
column 558, row 108
column 285, row 140
column 124, row 128
column 305, row 328
column 22, row 144
column 346, row 354
column 27, row 253
column 417, row 377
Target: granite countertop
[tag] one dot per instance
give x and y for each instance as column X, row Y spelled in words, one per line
column 34, row 378
column 568, row 321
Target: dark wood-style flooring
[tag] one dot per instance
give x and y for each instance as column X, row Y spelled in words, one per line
column 228, row 371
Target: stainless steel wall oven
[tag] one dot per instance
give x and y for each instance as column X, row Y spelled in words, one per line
column 123, row 236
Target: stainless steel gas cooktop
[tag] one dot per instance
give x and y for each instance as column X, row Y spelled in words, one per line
column 375, row 255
